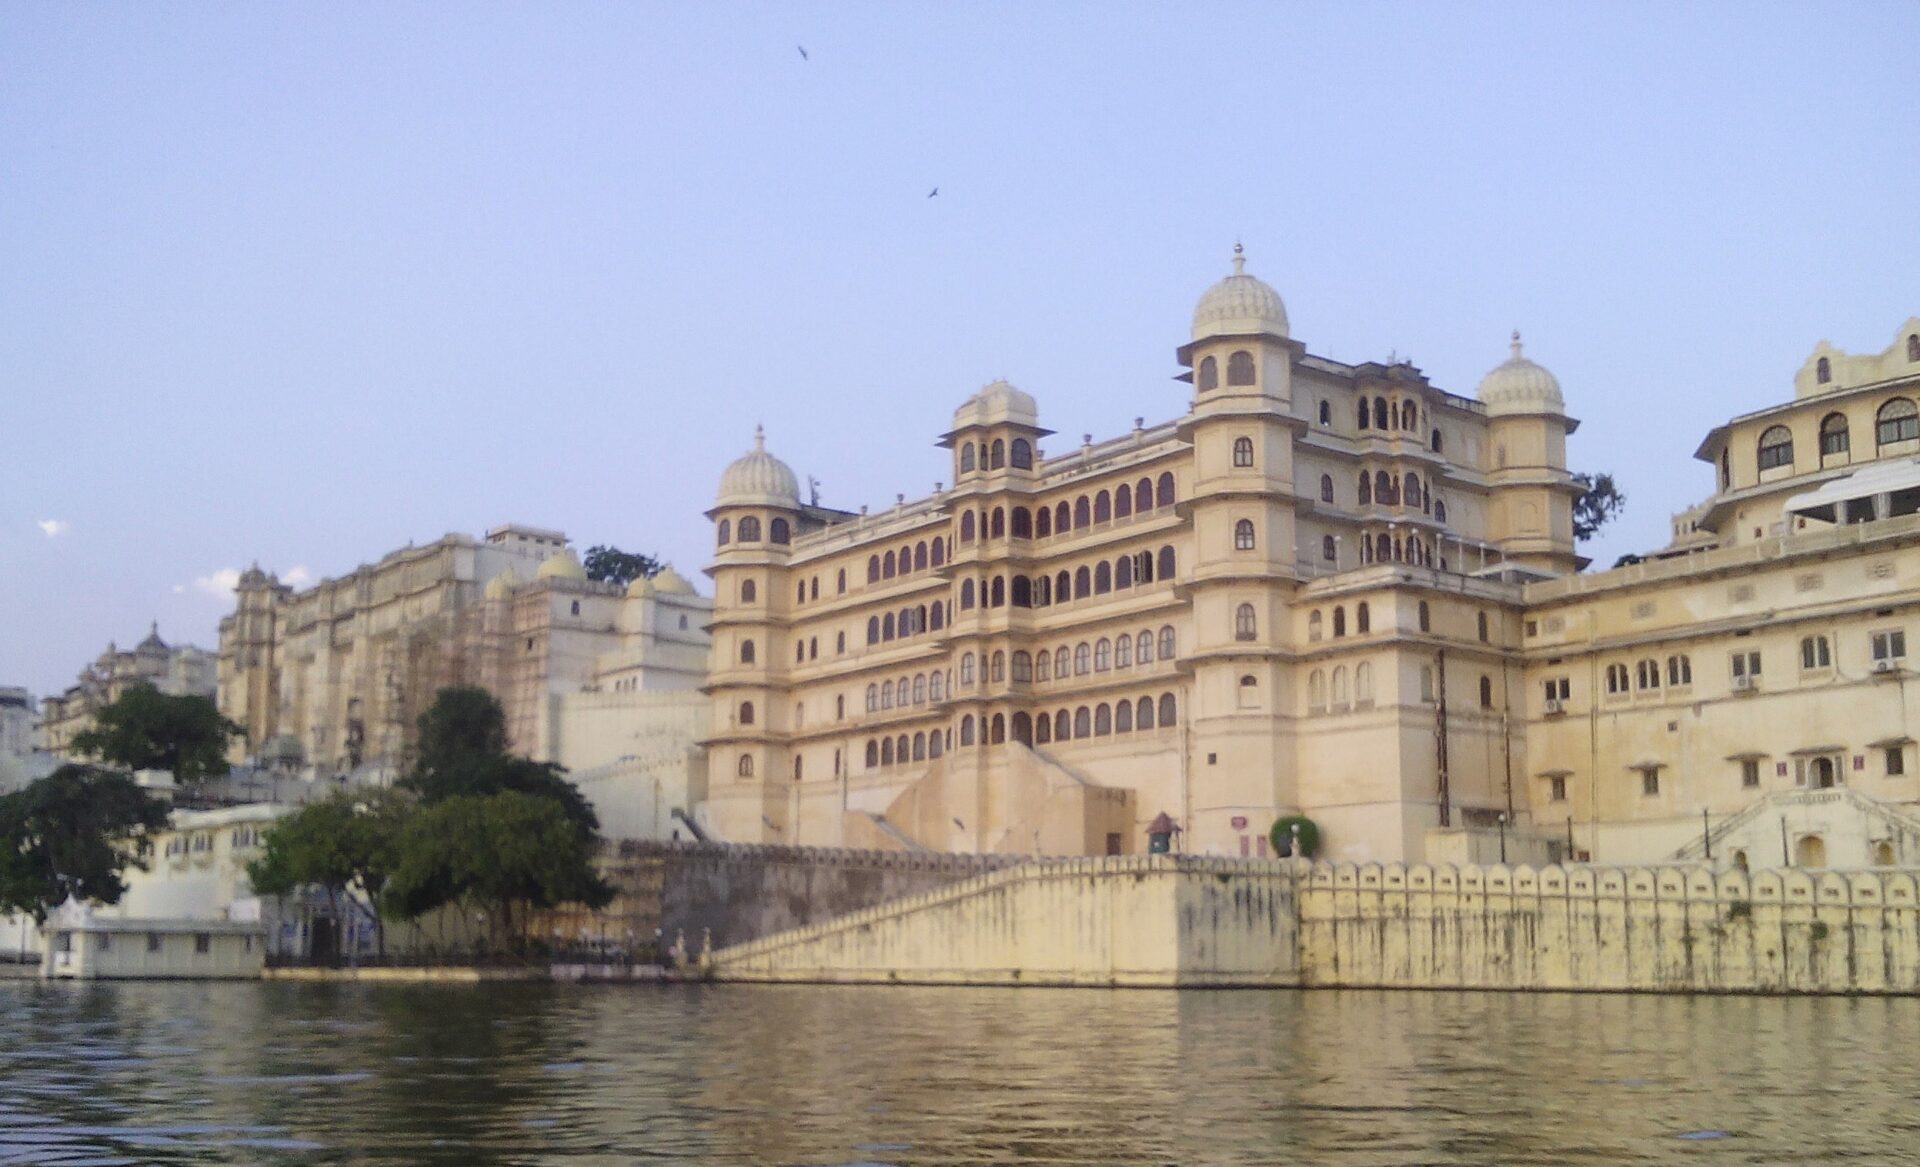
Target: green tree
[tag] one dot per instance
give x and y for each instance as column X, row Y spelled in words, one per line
column 1600, row 500
column 508, row 850
column 464, row 723
column 148, row 730
column 612, row 565
column 343, row 844
column 79, row 825
column 463, row 753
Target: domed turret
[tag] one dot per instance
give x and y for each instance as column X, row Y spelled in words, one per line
column 152, row 645
column 1239, row 305
column 996, row 404
column 1517, row 385
column 757, row 478
column 640, row 588
column 502, row 586
column 671, row 583
column 560, row 565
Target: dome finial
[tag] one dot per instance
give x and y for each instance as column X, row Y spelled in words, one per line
column 1516, row 343
column 1239, row 259
column 760, row 433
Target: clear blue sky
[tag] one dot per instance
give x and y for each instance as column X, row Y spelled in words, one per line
column 299, row 284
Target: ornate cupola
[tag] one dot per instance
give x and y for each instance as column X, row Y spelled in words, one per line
column 1242, row 349
column 995, row 432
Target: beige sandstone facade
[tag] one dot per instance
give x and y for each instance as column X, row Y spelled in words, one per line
column 175, row 670
column 1335, row 590
column 601, row 679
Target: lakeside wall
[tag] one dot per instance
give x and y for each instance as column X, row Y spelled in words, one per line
column 1173, row 921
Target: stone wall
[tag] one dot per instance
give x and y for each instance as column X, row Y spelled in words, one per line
column 1175, row 920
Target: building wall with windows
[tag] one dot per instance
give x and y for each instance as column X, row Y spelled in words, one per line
column 1258, row 607
column 177, row 670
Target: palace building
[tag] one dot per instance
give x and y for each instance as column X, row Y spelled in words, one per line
column 1333, row 590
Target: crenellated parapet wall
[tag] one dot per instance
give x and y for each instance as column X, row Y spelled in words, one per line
column 1174, row 920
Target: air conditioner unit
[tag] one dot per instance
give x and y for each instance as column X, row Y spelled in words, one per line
column 1886, row 666
column 1554, row 705
column 1742, row 684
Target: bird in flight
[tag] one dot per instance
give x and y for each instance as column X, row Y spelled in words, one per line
column 803, row 52
column 934, row 191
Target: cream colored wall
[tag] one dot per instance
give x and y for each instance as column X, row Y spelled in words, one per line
column 635, row 755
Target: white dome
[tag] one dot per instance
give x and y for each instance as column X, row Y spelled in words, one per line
column 1239, row 305
column 996, row 403
column 759, row 477
column 560, row 565
column 503, row 585
column 640, row 588
column 671, row 583
column 1517, row 385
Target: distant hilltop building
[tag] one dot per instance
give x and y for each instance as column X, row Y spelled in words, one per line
column 175, row 670
column 600, row 678
column 1332, row 590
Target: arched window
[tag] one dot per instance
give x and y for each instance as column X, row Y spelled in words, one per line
column 888, row 566
column 886, row 694
column 1815, row 653
column 1062, row 668
column 1340, row 696
column 1163, row 490
column 1209, row 375
column 873, row 569
column 1022, row 526
column 1022, row 592
column 1316, row 691
column 1022, row 729
column 1426, row 617
column 1102, row 578
column 1166, row 643
column 1439, row 512
column 746, row 652
column 1167, row 710
column 1679, row 670
column 726, row 532
column 1123, row 716
column 749, row 591
column 1481, row 623
column 939, row 555
column 1102, row 720
column 999, row 458
column 1102, row 507
column 1314, row 625
column 1364, row 489
column 782, row 533
column 966, row 669
column 873, row 630
column 1326, row 413
column 886, row 751
column 1042, row 730
column 1897, row 421
column 746, row 713
column 1326, row 488
column 920, row 688
column 873, row 753
column 1062, row 588
column 1776, row 447
column 1243, row 451
column 1362, row 618
column 1382, row 547
column 1360, row 413
column 1165, row 567
column 919, row 747
column 1409, row 416
column 1042, row 523
column 1243, row 535
column 1243, row 623
column 1062, row 519
column 1143, row 567
column 1122, row 651
column 1143, row 496
column 1083, row 722
column 1436, row 442
column 1413, row 489
column 1823, row 372
column 1384, row 488
column 887, row 627
column 840, row 582
column 1143, row 713
column 1486, row 692
column 1143, row 648
column 1833, row 434
column 1082, row 512
column 966, row 527
column 1339, row 622
column 997, row 667
column 966, row 594
column 1616, row 678
column 1380, row 415
column 1123, row 572
column 1329, row 550
column 966, row 457
column 744, row 767
column 1082, row 659
column 1022, row 454
column 1022, row 665
column 1363, row 684
column 1122, row 501
column 1240, row 368
column 749, row 530
column 997, row 525
column 1082, row 583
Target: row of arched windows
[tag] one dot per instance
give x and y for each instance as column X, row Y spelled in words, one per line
column 1041, row 591
column 1386, row 547
column 1121, row 652
column 920, row 747
column 1645, row 674
column 1087, row 721
column 923, row 688
column 918, row 557
column 910, row 621
column 1897, row 420
column 995, row 455
column 1320, row 696
column 1101, row 720
column 1362, row 619
column 1380, row 414
column 1384, row 489
column 778, row 531
column 1124, row 501
column 1239, row 371
column 805, row 589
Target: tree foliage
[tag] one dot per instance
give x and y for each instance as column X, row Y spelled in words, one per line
column 612, row 565
column 463, row 754
column 146, row 729
column 503, row 850
column 1600, row 500
column 347, row 843
column 80, row 825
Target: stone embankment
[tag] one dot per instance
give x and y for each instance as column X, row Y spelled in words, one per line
column 1177, row 921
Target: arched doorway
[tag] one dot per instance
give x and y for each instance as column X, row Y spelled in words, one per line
column 1740, row 860
column 1810, row 851
column 1883, row 854
column 1821, row 772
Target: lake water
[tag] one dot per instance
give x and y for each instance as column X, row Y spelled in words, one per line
column 546, row 1074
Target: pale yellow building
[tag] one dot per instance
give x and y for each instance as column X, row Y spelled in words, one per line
column 602, row 679
column 177, row 670
column 1335, row 590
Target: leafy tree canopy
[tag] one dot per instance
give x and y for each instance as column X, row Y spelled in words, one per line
column 463, row 753
column 502, row 849
column 340, row 843
column 612, row 565
column 464, row 723
column 1599, row 502
column 79, row 822
column 148, row 730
